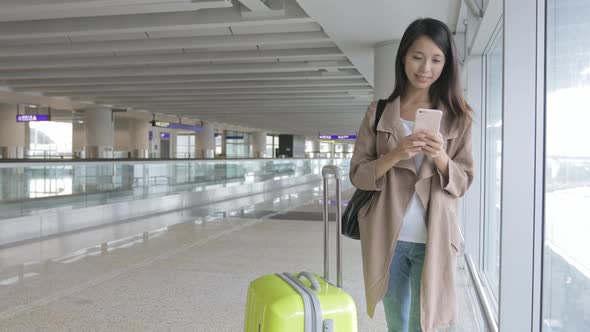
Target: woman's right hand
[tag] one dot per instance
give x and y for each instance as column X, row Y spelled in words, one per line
column 410, row 146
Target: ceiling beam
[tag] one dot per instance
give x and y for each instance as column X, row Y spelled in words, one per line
column 299, row 85
column 237, row 106
column 79, row 9
column 220, row 93
column 238, row 99
column 116, row 24
column 255, row 5
column 178, row 70
column 308, row 54
column 310, row 78
column 205, row 42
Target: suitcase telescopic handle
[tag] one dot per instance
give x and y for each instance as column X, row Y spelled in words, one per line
column 332, row 169
column 336, row 172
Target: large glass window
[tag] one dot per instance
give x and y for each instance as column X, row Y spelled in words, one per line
column 50, row 139
column 566, row 276
column 272, row 143
column 493, row 165
column 218, row 143
column 308, row 147
column 185, row 146
column 326, row 149
column 237, row 145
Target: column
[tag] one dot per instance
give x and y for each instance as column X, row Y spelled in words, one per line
column 205, row 142
column 78, row 138
column 154, row 150
column 316, row 148
column 140, row 141
column 350, row 149
column 173, row 143
column 12, row 133
column 224, row 143
column 122, row 136
column 385, row 54
column 259, row 144
column 100, row 132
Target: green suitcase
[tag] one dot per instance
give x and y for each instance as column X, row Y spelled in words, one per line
column 304, row 302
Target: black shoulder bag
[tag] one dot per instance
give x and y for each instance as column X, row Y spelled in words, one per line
column 350, row 223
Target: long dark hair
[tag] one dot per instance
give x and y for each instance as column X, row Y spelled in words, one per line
column 447, row 89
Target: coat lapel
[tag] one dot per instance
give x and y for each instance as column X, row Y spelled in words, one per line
column 391, row 125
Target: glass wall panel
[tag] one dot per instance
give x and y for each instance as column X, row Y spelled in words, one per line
column 48, row 187
column 566, row 261
column 326, row 149
column 185, row 146
column 237, row 145
column 270, row 145
column 50, row 139
column 218, row 143
column 493, row 165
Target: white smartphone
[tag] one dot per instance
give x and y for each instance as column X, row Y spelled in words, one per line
column 428, row 120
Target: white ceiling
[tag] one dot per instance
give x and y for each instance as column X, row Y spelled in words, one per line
column 258, row 64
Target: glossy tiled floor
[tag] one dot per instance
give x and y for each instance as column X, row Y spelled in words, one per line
column 176, row 272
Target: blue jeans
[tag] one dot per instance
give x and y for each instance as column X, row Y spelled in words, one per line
column 402, row 301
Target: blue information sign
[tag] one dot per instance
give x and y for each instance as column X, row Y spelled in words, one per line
column 162, row 135
column 229, row 137
column 337, row 137
column 171, row 125
column 32, row 117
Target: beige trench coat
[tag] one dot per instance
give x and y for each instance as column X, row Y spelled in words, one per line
column 380, row 220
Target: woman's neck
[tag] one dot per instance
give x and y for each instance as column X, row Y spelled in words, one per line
column 415, row 96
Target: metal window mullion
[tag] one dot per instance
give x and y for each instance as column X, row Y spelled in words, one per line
column 472, row 201
column 518, row 250
column 536, row 314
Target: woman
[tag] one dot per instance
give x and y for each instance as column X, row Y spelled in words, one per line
column 409, row 234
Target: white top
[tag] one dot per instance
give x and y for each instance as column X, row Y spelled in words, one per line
column 414, row 223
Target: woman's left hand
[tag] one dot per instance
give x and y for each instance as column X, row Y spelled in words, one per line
column 434, row 145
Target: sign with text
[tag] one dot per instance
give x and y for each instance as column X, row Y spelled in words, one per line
column 228, row 136
column 32, row 117
column 162, row 135
column 337, row 137
column 172, row 125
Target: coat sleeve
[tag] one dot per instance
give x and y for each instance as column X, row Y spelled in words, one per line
column 364, row 156
column 460, row 166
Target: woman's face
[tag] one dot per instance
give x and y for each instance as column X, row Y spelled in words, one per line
column 423, row 63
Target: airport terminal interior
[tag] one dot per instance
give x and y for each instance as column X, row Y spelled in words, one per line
column 157, row 156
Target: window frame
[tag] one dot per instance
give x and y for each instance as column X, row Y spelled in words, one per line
column 522, row 167
column 488, row 285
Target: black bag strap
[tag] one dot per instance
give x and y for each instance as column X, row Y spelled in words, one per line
column 380, row 108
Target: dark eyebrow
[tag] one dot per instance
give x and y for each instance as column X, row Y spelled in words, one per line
column 436, row 55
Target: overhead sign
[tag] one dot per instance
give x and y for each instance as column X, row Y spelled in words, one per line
column 172, row 125
column 32, row 117
column 229, row 137
column 337, row 137
column 162, row 135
